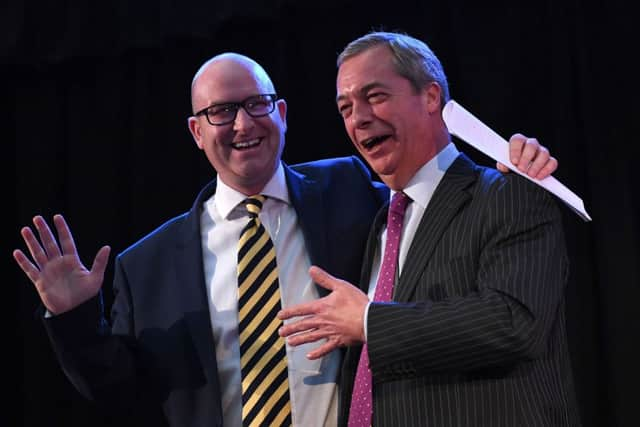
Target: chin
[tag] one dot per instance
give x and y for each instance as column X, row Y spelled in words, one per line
column 380, row 166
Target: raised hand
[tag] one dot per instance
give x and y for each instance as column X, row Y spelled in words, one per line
column 529, row 157
column 60, row 278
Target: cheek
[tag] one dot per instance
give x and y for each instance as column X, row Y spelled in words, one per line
column 384, row 112
column 355, row 144
column 350, row 129
column 212, row 145
column 215, row 138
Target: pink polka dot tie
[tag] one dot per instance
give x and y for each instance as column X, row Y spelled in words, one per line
column 361, row 409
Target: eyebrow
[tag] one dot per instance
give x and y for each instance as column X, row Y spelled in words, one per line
column 363, row 90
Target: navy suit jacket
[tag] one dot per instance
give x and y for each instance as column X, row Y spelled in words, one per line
column 157, row 358
column 476, row 333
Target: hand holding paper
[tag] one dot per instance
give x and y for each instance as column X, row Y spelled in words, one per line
column 467, row 127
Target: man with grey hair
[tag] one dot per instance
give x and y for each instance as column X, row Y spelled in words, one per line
column 459, row 316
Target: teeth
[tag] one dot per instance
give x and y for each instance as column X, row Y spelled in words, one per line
column 371, row 141
column 246, row 144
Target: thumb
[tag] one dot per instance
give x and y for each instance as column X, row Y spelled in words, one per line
column 502, row 167
column 100, row 261
column 323, row 278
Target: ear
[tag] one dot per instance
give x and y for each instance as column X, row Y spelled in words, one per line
column 196, row 131
column 432, row 97
column 282, row 112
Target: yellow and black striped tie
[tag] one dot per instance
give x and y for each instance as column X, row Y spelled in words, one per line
column 263, row 358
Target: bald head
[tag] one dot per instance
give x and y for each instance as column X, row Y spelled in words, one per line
column 227, row 70
column 246, row 150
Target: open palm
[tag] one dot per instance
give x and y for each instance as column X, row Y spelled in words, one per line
column 60, row 278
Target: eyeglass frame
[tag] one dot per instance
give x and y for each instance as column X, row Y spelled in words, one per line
column 237, row 105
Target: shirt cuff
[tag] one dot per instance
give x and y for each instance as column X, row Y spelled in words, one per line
column 366, row 316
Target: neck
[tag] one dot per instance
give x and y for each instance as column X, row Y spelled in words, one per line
column 399, row 180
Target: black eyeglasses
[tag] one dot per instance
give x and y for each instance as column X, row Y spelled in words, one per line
column 255, row 106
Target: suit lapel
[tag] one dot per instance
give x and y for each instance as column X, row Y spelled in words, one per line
column 189, row 271
column 308, row 202
column 370, row 248
column 446, row 202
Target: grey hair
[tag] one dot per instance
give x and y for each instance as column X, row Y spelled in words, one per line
column 412, row 59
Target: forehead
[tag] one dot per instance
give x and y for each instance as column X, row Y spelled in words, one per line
column 230, row 81
column 373, row 67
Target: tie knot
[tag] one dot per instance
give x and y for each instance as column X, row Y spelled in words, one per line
column 254, row 204
column 399, row 203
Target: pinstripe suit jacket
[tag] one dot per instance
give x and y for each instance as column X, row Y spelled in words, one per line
column 476, row 333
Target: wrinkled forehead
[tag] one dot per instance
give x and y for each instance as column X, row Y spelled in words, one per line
column 369, row 69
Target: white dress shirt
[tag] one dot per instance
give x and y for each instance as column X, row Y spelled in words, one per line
column 420, row 188
column 312, row 383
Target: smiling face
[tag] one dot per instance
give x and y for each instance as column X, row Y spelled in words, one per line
column 394, row 127
column 245, row 152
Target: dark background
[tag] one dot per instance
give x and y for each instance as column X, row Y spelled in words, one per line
column 96, row 98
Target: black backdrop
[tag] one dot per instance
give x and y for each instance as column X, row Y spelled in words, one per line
column 95, row 101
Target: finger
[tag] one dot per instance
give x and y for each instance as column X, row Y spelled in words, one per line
column 541, row 159
column 527, row 155
column 548, row 169
column 35, row 248
column 32, row 272
column 302, row 325
column 323, row 350
column 64, row 234
column 303, row 309
column 46, row 237
column 100, row 261
column 307, row 337
column 516, row 142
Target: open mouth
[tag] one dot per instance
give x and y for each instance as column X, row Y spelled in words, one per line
column 244, row 145
column 372, row 142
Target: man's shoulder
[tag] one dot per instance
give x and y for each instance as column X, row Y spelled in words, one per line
column 165, row 235
column 513, row 194
column 490, row 179
column 329, row 164
column 495, row 190
column 336, row 168
column 348, row 175
column 511, row 182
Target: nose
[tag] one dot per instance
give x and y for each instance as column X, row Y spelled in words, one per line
column 243, row 121
column 361, row 114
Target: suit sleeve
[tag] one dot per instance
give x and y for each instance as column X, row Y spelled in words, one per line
column 97, row 360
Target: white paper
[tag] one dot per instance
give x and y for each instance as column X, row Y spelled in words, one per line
column 467, row 127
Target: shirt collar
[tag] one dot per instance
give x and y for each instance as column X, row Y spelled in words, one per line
column 423, row 184
column 226, row 198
